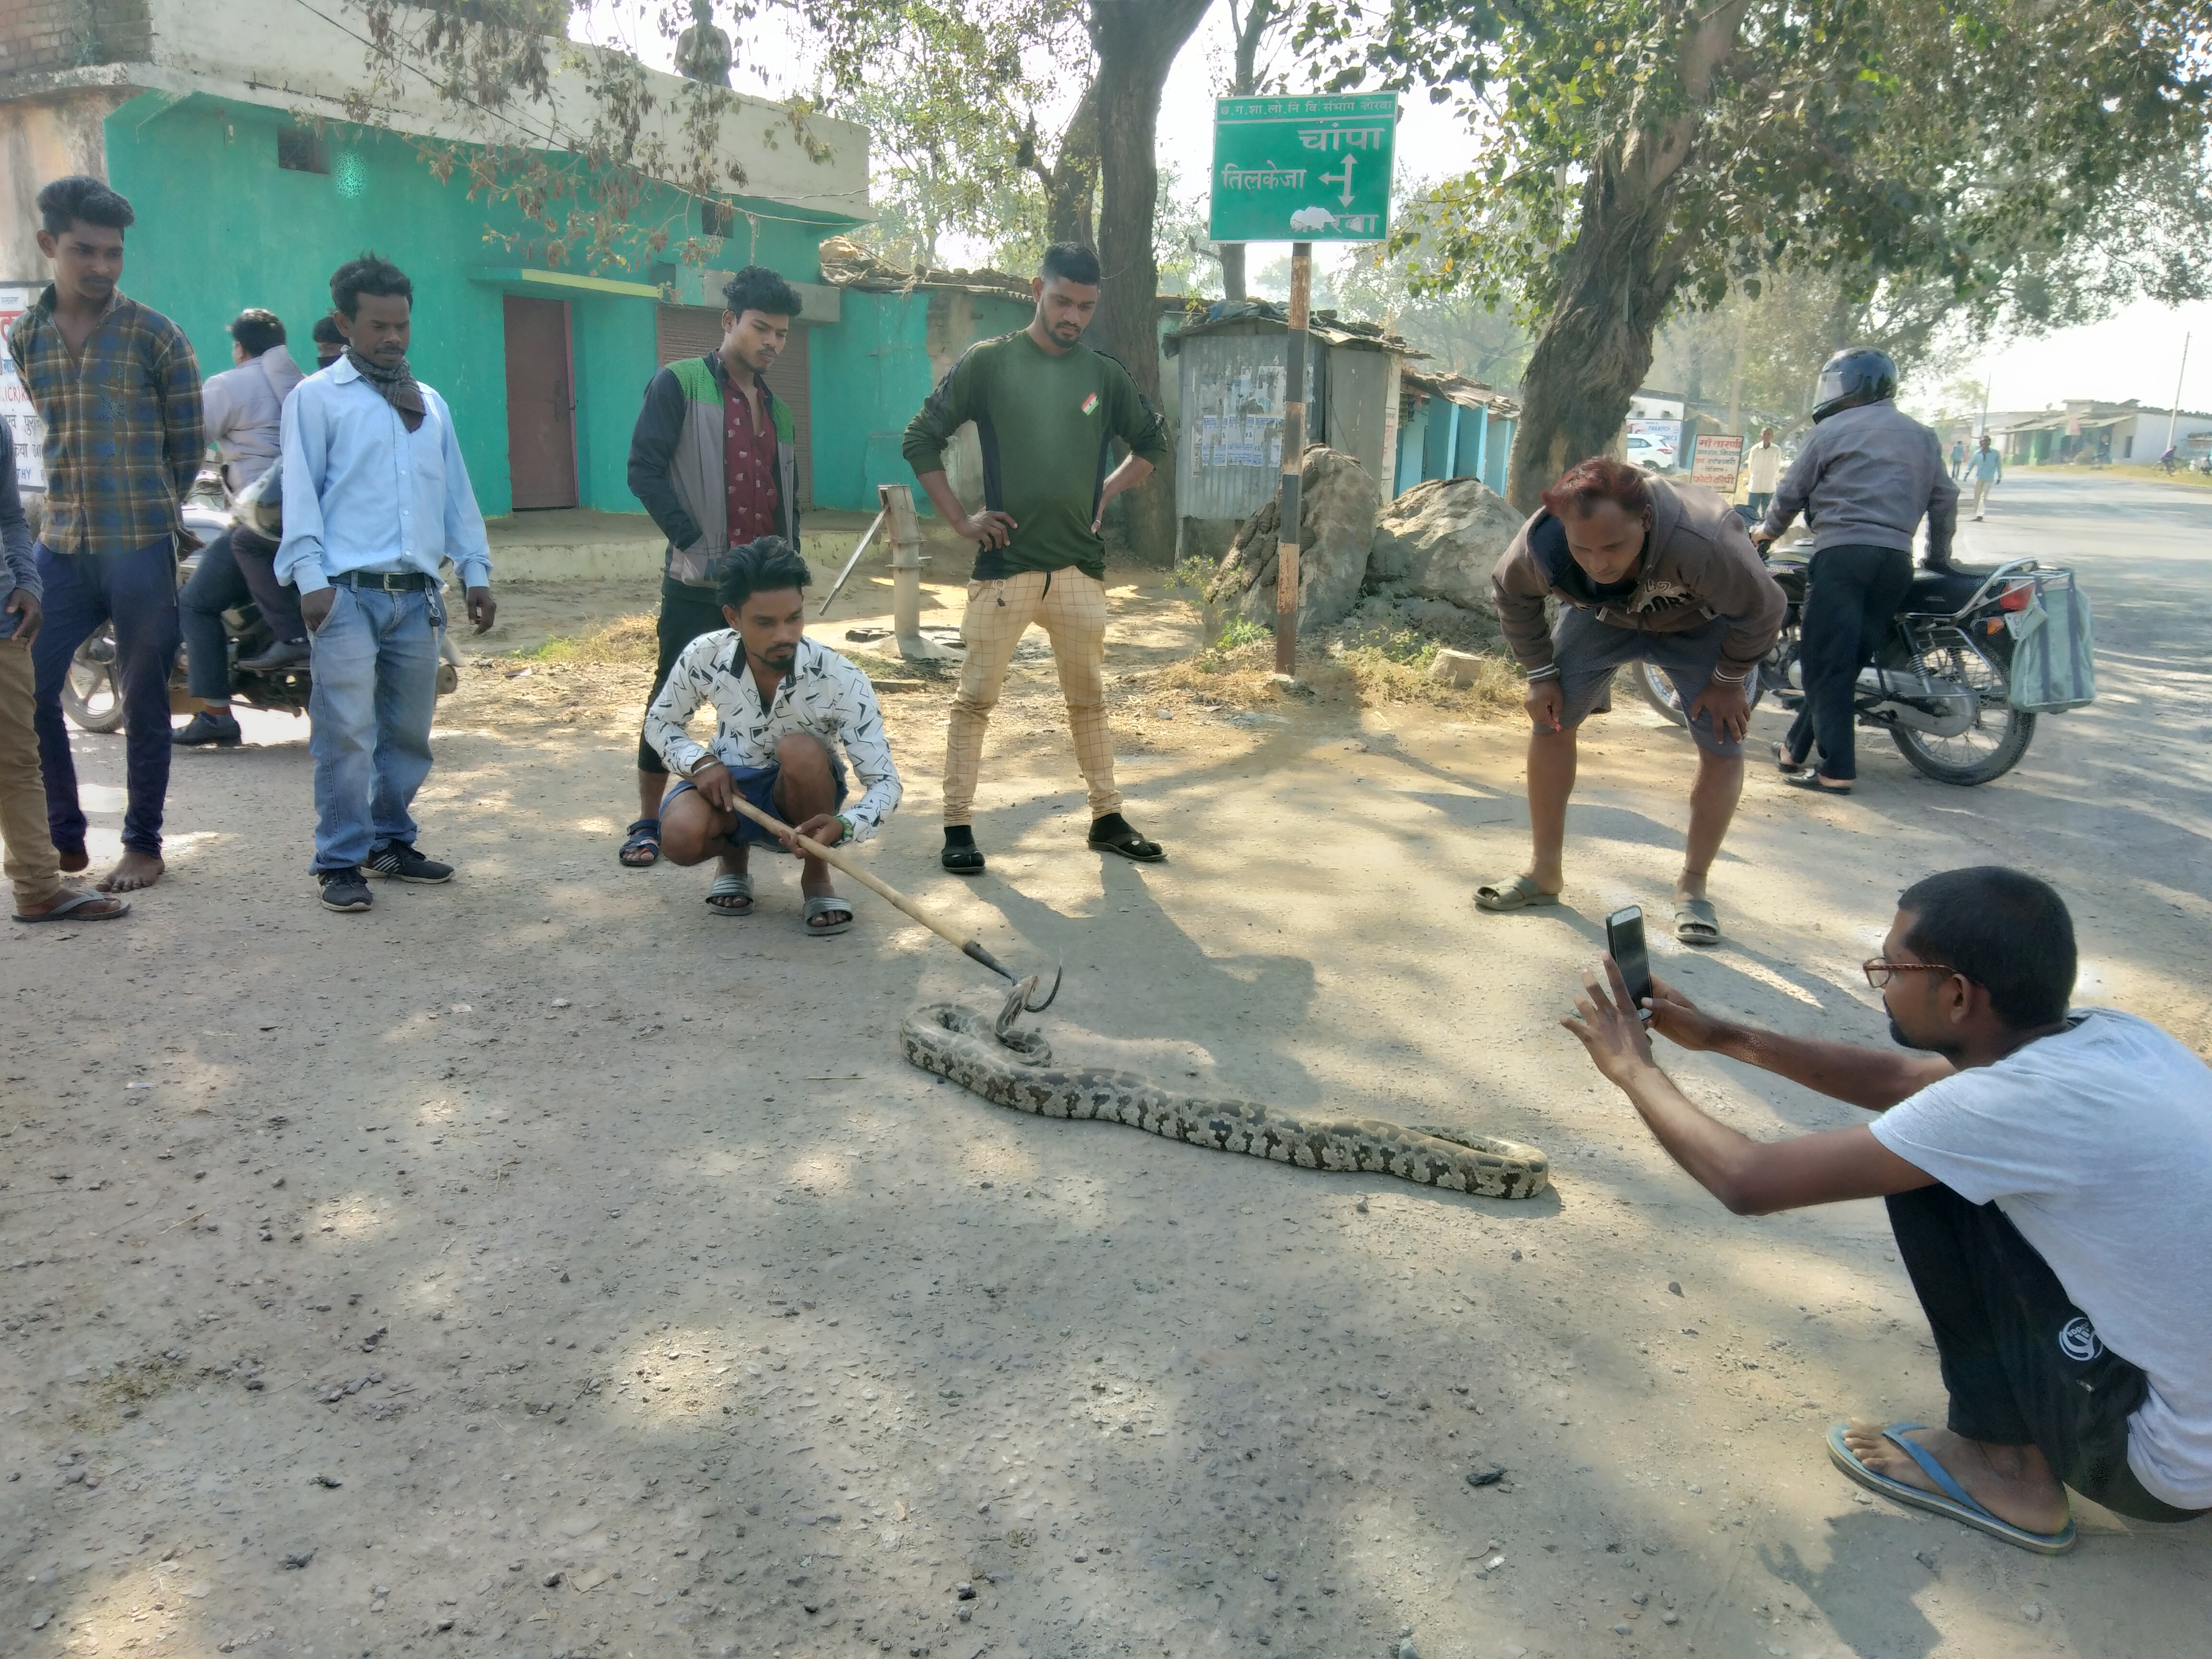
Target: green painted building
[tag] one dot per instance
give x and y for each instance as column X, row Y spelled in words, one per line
column 240, row 204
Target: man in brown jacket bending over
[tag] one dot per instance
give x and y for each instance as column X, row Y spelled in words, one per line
column 1645, row 571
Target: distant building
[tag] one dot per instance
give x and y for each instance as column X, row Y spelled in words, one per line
column 1450, row 427
column 191, row 107
column 2088, row 430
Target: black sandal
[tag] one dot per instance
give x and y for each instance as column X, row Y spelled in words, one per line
column 1117, row 836
column 644, row 837
column 1810, row 781
column 963, row 860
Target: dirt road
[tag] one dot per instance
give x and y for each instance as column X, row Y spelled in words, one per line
column 543, row 1264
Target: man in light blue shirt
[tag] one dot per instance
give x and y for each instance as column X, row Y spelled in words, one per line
column 375, row 496
column 1985, row 467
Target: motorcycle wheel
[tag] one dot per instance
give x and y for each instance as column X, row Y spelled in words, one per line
column 1652, row 684
column 90, row 694
column 1988, row 749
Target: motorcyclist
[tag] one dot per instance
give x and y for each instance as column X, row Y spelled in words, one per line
column 1864, row 479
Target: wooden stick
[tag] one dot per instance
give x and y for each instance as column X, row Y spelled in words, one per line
column 882, row 889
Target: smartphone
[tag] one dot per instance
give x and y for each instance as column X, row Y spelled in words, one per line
column 1623, row 942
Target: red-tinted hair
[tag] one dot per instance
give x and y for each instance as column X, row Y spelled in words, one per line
column 1601, row 478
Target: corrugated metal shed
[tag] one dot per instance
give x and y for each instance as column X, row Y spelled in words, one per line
column 1229, row 378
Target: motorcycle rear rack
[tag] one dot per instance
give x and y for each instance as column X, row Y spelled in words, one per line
column 1999, row 580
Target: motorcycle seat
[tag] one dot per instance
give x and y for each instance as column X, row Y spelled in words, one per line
column 1941, row 593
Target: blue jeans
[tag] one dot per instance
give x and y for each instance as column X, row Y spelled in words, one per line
column 375, row 663
column 137, row 592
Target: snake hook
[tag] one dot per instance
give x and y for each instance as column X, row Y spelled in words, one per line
column 1030, row 984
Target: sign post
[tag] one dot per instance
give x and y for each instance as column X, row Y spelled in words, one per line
column 19, row 422
column 1716, row 460
column 1300, row 170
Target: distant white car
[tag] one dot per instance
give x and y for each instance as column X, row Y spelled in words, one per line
column 1312, row 218
column 1653, row 454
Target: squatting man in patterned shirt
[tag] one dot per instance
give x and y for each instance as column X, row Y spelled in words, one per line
column 783, row 704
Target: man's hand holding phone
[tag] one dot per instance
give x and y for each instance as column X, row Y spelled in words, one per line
column 1611, row 1028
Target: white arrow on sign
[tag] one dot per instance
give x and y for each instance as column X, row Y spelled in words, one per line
column 1343, row 177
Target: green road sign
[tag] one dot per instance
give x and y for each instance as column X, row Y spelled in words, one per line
column 1306, row 169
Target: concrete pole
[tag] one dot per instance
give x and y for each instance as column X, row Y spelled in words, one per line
column 1294, row 449
column 906, row 575
column 2174, row 415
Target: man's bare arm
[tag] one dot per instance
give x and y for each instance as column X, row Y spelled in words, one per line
column 1751, row 1178
column 1875, row 1078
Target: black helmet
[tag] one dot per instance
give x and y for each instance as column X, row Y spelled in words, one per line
column 1856, row 375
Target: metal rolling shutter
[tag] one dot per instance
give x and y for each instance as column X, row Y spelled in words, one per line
column 696, row 331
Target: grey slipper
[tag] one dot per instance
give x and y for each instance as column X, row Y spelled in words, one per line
column 726, row 886
column 77, row 898
column 826, row 904
column 1520, row 893
column 1695, row 922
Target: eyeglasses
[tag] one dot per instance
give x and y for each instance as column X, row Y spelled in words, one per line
column 1878, row 972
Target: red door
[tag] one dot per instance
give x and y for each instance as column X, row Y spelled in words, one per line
column 541, row 413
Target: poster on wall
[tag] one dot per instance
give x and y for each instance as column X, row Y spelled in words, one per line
column 1716, row 460
column 1654, row 446
column 24, row 429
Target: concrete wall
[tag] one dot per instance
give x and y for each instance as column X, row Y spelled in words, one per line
column 868, row 376
column 41, row 139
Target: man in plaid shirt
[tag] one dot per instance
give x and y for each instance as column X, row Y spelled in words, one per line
column 119, row 389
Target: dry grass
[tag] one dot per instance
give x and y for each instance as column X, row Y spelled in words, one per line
column 1382, row 678
column 1363, row 665
column 627, row 641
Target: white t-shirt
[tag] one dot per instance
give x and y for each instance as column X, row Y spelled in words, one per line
column 2097, row 1143
column 1765, row 461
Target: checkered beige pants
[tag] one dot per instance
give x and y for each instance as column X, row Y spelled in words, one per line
column 1071, row 608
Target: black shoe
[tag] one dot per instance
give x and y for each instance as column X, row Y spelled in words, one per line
column 399, row 860
column 285, row 653
column 344, row 890
column 961, row 854
column 209, row 727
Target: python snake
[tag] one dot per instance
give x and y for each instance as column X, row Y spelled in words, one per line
column 1014, row 1068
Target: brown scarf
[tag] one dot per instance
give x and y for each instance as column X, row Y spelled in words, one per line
column 395, row 385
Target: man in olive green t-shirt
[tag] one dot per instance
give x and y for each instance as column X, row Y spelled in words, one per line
column 1047, row 409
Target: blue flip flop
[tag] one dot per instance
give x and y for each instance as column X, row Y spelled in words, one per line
column 1952, row 1502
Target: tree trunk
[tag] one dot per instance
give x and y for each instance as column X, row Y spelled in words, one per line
column 1136, row 41
column 1619, row 278
column 1232, row 271
column 1072, row 183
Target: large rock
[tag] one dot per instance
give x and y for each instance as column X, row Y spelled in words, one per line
column 1337, row 503
column 1440, row 540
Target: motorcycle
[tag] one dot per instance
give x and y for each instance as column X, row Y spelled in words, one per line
column 1941, row 685
column 93, row 699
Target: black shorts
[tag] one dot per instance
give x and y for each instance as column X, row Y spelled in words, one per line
column 685, row 614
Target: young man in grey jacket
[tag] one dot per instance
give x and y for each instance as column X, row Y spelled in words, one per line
column 1864, row 479
column 714, row 460
column 1644, row 571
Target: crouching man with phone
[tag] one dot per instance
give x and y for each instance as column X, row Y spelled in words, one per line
column 2044, row 1170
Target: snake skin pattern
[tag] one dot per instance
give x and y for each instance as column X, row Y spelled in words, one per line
column 1015, row 1069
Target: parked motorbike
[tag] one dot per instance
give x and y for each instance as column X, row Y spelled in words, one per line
column 92, row 698
column 1941, row 685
